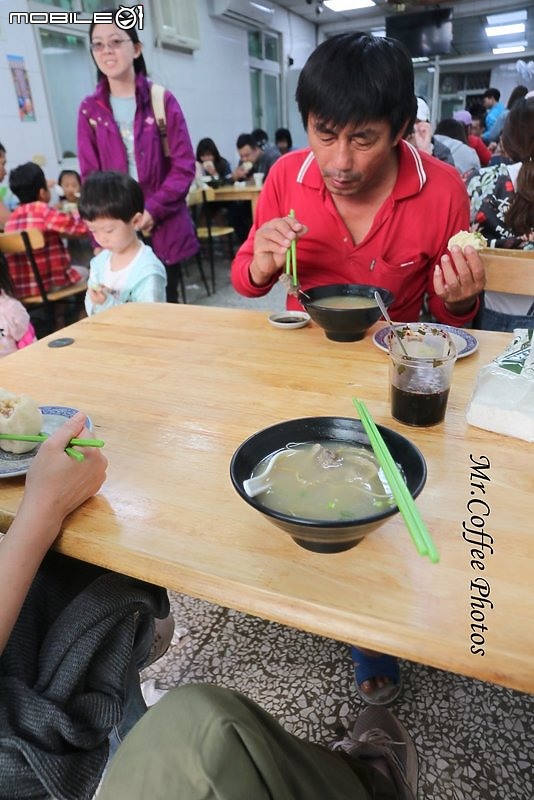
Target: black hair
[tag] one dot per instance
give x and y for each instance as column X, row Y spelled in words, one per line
column 139, row 62
column 283, row 135
column 65, row 172
column 452, row 128
column 517, row 93
column 355, row 78
column 260, row 136
column 246, row 140
column 26, row 181
column 6, row 284
column 518, row 142
column 2, row 148
column 110, row 194
column 493, row 93
column 207, row 146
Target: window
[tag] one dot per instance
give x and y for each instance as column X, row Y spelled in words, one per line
column 264, row 63
column 64, row 97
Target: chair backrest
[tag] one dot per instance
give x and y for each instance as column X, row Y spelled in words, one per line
column 25, row 241
column 13, row 243
column 509, row 270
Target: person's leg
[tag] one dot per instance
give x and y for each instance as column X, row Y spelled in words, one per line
column 207, row 743
column 173, row 273
column 152, row 641
column 377, row 676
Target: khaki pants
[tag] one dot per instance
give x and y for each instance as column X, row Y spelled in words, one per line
column 206, row 743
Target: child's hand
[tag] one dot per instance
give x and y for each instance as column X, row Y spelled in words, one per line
column 98, row 294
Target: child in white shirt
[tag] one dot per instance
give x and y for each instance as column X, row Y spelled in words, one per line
column 126, row 270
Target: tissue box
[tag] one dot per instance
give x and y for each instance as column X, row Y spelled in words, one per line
column 503, row 400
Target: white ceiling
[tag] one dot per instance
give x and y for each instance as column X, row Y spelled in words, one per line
column 469, row 19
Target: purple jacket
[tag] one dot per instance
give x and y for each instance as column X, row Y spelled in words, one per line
column 165, row 181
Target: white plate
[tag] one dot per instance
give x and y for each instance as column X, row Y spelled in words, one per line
column 289, row 319
column 464, row 341
column 13, row 464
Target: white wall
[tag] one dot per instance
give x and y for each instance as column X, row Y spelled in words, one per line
column 23, row 140
column 211, row 84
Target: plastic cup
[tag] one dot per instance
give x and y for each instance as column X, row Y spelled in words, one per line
column 420, row 381
column 258, row 178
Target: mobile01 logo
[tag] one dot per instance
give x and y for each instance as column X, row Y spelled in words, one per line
column 125, row 17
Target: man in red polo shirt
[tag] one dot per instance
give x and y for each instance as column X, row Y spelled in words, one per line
column 369, row 208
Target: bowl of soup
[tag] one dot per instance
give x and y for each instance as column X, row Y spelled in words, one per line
column 324, row 487
column 345, row 310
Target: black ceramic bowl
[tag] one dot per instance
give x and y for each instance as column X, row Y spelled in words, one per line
column 345, row 324
column 317, row 535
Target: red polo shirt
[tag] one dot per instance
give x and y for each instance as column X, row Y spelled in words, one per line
column 409, row 234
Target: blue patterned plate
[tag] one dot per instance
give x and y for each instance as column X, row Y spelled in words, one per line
column 13, row 464
column 464, row 341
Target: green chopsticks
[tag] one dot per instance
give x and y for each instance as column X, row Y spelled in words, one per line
column 41, row 437
column 405, row 502
column 291, row 257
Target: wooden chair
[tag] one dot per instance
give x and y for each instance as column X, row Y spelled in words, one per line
column 26, row 241
column 208, row 233
column 509, row 271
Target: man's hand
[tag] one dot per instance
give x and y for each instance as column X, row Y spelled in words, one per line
column 271, row 243
column 459, row 280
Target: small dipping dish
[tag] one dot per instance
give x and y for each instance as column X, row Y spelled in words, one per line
column 289, row 319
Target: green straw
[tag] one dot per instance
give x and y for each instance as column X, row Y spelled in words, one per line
column 405, row 502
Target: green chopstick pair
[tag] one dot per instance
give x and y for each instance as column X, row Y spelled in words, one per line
column 41, row 437
column 291, row 257
column 405, row 502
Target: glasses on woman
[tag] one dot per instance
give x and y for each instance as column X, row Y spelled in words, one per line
column 111, row 44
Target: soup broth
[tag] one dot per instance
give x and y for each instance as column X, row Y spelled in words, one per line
column 326, row 480
column 345, row 301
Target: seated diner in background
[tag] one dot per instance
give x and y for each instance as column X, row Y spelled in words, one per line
column 28, row 183
column 502, row 210
column 369, row 209
column 212, row 163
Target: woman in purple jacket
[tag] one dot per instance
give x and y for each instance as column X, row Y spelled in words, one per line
column 117, row 131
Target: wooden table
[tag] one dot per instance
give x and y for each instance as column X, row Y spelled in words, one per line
column 249, row 192
column 173, row 390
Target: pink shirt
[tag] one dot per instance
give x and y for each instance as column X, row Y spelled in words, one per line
column 14, row 323
column 409, row 234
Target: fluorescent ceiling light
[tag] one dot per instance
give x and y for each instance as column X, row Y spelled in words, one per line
column 504, row 30
column 262, row 8
column 348, row 5
column 511, row 48
column 506, row 19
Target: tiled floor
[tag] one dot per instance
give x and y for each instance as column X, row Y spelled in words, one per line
column 475, row 740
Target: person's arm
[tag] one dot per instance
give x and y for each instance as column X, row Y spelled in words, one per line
column 458, row 277
column 88, row 157
column 150, row 289
column 56, row 485
column 4, row 214
column 65, row 224
column 173, row 191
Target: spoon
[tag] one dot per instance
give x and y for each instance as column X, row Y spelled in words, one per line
column 260, row 483
column 383, row 309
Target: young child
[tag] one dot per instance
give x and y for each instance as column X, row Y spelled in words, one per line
column 16, row 330
column 28, row 183
column 69, row 186
column 126, row 270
